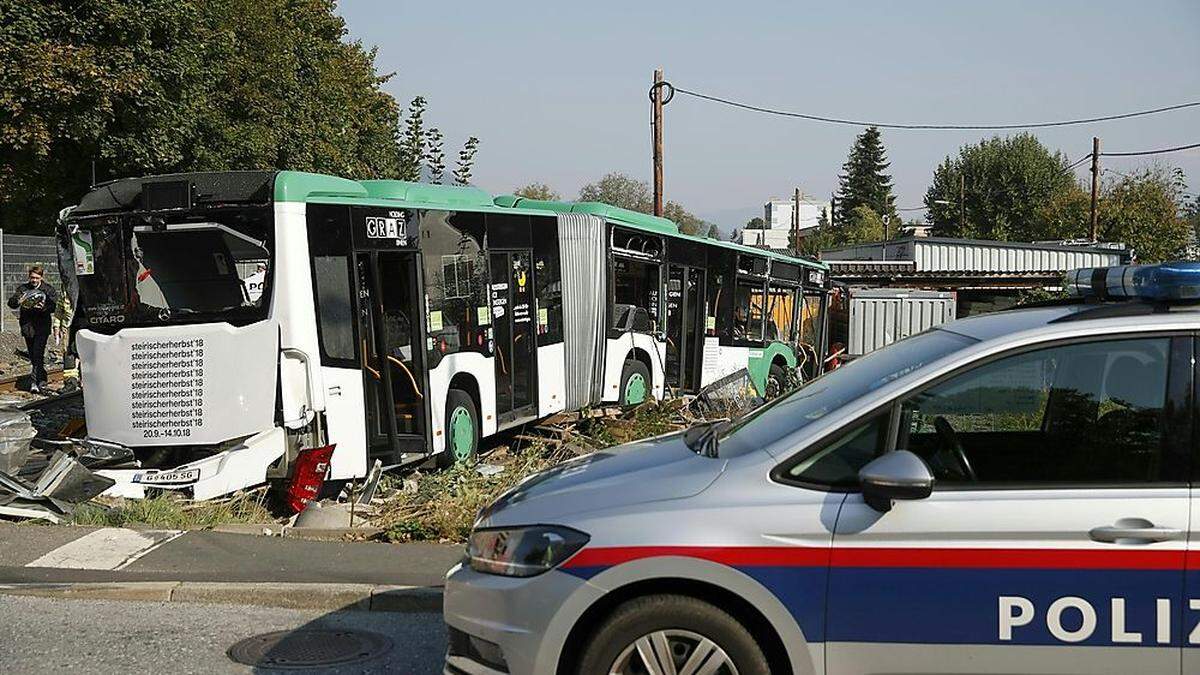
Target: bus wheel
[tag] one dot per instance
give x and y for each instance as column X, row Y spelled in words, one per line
column 461, row 430
column 635, row 383
column 672, row 633
column 776, row 381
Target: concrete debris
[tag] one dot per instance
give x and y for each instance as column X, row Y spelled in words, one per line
column 489, row 469
column 323, row 516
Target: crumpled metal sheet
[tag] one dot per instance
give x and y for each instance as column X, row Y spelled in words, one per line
column 53, row 496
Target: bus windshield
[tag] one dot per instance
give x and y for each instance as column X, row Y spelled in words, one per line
column 137, row 273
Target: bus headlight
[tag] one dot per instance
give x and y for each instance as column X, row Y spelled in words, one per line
column 522, row 551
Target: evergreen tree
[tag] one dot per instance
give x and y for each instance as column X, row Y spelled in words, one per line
column 435, row 156
column 863, row 181
column 412, row 142
column 466, row 162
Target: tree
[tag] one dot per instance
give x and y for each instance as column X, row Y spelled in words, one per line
column 538, row 191
column 411, row 148
column 823, row 220
column 466, row 162
column 736, row 235
column 435, row 156
column 1015, row 189
column 863, row 181
column 1142, row 209
column 1191, row 216
column 156, row 87
column 756, row 223
column 140, row 88
column 617, row 189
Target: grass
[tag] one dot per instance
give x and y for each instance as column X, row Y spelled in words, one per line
column 171, row 512
column 442, row 506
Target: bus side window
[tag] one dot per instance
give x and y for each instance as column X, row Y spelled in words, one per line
column 635, row 297
column 455, row 281
column 547, row 275
column 333, row 283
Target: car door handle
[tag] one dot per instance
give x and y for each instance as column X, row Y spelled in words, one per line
column 1143, row 532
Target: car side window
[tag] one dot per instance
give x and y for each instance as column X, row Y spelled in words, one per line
column 837, row 463
column 1089, row 412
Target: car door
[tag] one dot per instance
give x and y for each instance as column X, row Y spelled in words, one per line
column 1055, row 535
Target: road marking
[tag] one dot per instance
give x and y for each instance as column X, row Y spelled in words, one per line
column 110, row 548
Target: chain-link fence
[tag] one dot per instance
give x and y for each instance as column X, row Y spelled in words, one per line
column 17, row 253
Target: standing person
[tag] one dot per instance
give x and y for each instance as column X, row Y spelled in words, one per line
column 36, row 300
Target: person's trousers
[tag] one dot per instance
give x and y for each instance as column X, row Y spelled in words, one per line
column 36, row 346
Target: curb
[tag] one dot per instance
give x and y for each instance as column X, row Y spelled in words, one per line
column 329, row 597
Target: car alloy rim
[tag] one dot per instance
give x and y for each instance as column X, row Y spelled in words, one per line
column 462, row 433
column 635, row 389
column 677, row 652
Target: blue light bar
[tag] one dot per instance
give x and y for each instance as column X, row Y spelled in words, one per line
column 1165, row 281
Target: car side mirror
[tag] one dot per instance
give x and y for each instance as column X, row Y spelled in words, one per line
column 895, row 475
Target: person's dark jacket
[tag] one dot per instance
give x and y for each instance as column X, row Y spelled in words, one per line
column 35, row 320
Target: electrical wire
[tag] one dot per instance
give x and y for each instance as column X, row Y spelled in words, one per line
column 1079, row 161
column 1160, row 151
column 671, row 90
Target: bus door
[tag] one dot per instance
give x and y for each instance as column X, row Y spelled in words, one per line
column 392, row 332
column 685, row 326
column 514, row 334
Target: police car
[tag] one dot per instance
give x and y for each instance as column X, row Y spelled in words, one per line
column 1008, row 493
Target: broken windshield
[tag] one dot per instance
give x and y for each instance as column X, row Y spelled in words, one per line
column 142, row 271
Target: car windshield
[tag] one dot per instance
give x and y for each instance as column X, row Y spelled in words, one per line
column 132, row 273
column 826, row 394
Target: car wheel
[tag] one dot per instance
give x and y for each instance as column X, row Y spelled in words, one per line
column 635, row 383
column 461, row 430
column 671, row 633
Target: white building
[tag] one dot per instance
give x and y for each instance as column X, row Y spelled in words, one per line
column 777, row 218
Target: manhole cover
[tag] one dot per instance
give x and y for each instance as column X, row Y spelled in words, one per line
column 298, row 649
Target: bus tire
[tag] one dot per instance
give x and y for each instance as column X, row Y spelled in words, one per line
column 635, row 383
column 683, row 622
column 776, row 381
column 461, row 430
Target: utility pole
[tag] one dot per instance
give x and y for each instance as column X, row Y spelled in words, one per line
column 1095, row 185
column 656, row 122
column 794, row 244
column 962, row 204
column 832, row 209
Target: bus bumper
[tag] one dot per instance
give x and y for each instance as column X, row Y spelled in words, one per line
column 242, row 466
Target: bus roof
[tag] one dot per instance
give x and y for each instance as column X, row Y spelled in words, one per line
column 298, row 186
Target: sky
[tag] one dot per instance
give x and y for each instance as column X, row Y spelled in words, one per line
column 557, row 91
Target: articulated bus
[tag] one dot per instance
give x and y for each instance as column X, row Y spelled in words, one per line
column 228, row 322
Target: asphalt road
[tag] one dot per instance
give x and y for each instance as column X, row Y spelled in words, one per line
column 94, row 636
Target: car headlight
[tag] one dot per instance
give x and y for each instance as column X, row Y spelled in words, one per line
column 522, row 551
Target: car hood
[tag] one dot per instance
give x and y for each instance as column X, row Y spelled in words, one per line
column 650, row 470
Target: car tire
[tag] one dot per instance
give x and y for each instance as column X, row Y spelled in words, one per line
column 635, row 383
column 684, row 621
column 461, row 429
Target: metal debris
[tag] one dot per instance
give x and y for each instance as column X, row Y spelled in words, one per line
column 65, row 483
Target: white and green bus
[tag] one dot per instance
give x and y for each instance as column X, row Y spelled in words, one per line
column 227, row 322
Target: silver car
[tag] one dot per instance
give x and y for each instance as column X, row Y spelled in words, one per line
column 1009, row 493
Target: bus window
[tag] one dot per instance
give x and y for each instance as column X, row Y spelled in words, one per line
column 333, row 282
column 547, row 275
column 781, row 303
column 635, row 296
column 455, row 281
column 749, row 307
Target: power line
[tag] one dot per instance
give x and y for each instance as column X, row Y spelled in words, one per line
column 1079, row 161
column 928, row 127
column 1160, row 151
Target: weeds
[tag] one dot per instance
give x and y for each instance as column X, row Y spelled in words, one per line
column 171, row 512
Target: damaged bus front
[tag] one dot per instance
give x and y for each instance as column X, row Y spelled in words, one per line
column 178, row 343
